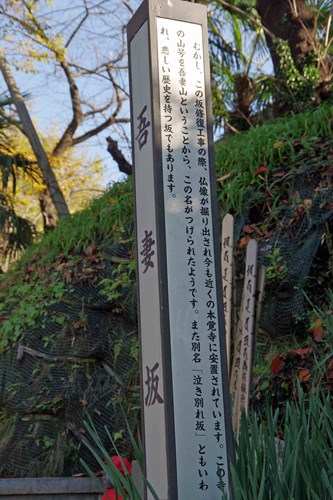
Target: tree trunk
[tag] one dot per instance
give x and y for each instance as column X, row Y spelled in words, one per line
column 290, row 20
column 294, row 22
column 53, row 194
column 49, row 213
column 118, row 157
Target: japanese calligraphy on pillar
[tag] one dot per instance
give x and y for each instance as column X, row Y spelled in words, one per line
column 149, row 296
column 200, row 436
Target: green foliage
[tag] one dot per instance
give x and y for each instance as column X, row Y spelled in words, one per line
column 48, row 442
column 305, row 358
column 123, row 278
column 300, row 466
column 128, row 346
column 294, row 87
column 277, row 269
column 238, row 159
column 23, row 304
column 123, row 484
column 108, row 215
column 16, row 232
column 37, row 280
column 13, row 166
column 236, row 45
column 7, row 424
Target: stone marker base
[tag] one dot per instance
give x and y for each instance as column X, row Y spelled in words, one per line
column 50, row 488
column 138, row 477
column 60, row 488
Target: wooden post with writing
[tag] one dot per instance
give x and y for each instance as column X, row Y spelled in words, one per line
column 227, row 264
column 186, row 413
column 242, row 361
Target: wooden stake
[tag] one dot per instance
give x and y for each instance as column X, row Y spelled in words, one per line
column 242, row 362
column 235, row 371
column 260, row 295
column 227, row 277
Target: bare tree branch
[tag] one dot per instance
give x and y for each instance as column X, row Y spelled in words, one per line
column 118, row 157
column 94, row 131
column 83, row 109
column 242, row 13
column 77, row 27
column 67, row 137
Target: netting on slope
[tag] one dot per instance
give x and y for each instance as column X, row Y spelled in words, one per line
column 300, row 191
column 78, row 359
column 285, row 301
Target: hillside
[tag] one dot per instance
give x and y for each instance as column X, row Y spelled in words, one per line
column 68, row 331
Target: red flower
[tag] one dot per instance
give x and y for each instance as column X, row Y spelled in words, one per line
column 118, row 462
column 110, row 494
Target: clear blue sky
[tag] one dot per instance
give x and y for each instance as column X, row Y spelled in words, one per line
column 49, row 102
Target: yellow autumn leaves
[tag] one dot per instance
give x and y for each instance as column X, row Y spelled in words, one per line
column 79, row 178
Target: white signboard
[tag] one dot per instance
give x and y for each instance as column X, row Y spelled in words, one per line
column 187, row 424
column 199, row 418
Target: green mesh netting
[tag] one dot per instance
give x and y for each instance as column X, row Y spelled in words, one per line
column 78, row 359
column 285, row 302
column 301, row 229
